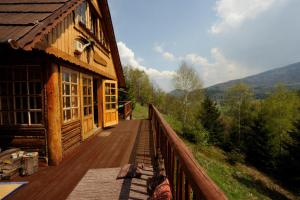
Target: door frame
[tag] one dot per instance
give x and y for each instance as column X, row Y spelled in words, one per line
column 87, row 134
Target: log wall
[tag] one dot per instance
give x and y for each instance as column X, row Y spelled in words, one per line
column 71, row 135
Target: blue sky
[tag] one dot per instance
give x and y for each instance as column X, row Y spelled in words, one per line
column 221, row 39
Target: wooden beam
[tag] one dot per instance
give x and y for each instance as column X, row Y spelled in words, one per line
column 54, row 115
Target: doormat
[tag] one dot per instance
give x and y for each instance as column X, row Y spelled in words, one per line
column 105, row 134
column 7, row 188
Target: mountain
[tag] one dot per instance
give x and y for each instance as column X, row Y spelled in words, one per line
column 262, row 83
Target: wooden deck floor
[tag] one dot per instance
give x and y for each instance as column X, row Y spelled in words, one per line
column 126, row 143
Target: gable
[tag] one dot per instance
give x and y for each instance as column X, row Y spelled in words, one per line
column 54, row 26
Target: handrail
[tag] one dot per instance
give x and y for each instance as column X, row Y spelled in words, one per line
column 190, row 178
column 127, row 109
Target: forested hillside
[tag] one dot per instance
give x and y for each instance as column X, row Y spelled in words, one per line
column 262, row 84
column 261, row 134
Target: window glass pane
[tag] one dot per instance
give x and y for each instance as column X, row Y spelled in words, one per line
column 84, row 81
column 21, row 88
column 35, row 102
column 89, row 91
column 85, row 111
column 3, row 88
column 20, row 74
column 89, row 100
column 6, row 74
column 67, row 115
column 74, row 78
column 113, row 106
column 113, row 85
column 107, row 90
column 66, row 77
column 84, row 101
column 107, row 106
column 74, row 101
column 113, row 91
column 107, row 99
column 22, row 117
column 36, row 117
column 90, row 110
column 74, row 89
column 67, row 89
column 11, row 117
column 113, row 99
column 34, row 75
column 4, row 103
column 68, row 102
column 21, row 103
column 35, row 88
column 74, row 113
column 5, row 117
column 84, row 90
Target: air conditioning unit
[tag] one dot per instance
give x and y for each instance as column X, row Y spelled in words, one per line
column 78, row 47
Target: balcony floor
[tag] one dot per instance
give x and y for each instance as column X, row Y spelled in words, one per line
column 128, row 142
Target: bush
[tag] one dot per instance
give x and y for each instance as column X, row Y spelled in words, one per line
column 235, row 156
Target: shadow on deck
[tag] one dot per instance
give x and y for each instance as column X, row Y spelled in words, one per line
column 129, row 142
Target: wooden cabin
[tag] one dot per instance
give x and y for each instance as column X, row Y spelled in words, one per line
column 59, row 74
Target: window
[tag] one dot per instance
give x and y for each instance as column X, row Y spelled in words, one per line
column 110, row 96
column 70, row 95
column 87, row 96
column 94, row 24
column 80, row 13
column 20, row 95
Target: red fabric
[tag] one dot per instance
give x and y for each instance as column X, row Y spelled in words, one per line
column 163, row 191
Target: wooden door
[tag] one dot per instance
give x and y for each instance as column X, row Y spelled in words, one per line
column 87, row 105
column 110, row 103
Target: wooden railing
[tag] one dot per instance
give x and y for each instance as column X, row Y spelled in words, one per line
column 187, row 179
column 125, row 109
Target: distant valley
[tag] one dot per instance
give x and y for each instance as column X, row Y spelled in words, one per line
column 262, row 83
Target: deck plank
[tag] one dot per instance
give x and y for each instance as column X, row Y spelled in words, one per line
column 113, row 150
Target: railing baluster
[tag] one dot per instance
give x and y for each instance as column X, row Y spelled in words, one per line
column 177, row 179
column 186, row 178
column 187, row 189
column 172, row 170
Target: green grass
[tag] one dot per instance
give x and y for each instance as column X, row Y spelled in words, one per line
column 174, row 123
column 237, row 181
column 140, row 112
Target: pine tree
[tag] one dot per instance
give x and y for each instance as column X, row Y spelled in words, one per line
column 290, row 163
column 261, row 147
column 210, row 119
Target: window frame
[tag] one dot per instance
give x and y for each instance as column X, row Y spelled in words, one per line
column 87, row 95
column 70, row 72
column 109, row 96
column 27, row 110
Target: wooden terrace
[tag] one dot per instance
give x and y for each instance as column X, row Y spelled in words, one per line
column 131, row 141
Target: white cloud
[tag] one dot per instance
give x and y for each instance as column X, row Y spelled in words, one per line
column 219, row 70
column 165, row 54
column 128, row 58
column 233, row 13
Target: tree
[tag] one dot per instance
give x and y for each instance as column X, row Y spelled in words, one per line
column 239, row 107
column 290, row 163
column 210, row 119
column 139, row 85
column 261, row 145
column 187, row 81
column 281, row 110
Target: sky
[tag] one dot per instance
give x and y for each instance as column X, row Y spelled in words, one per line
column 222, row 39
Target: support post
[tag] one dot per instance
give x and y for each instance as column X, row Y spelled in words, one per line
column 54, row 116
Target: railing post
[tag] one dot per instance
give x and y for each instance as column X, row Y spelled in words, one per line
column 188, row 189
column 187, row 179
column 177, row 179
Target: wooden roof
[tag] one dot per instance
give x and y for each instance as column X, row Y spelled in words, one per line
column 23, row 23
